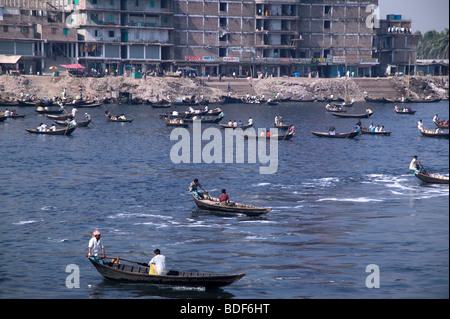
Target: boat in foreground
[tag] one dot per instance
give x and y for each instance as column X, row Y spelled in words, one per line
column 432, row 178
column 212, row 203
column 63, row 131
column 140, row 274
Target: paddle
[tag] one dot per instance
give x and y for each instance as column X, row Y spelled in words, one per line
column 118, row 258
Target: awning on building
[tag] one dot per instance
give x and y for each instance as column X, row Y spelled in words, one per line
column 9, row 59
column 73, row 66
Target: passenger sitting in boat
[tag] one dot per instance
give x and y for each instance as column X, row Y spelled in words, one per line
column 234, row 123
column 372, row 127
column 122, row 117
column 224, row 199
column 230, row 123
column 72, row 123
column 268, row 133
column 377, row 129
column 382, row 129
column 53, row 128
column 158, row 264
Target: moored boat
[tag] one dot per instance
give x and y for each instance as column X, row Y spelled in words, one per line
column 212, row 203
column 140, row 274
column 432, row 178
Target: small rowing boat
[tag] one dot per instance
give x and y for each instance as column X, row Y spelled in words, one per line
column 117, row 118
column 79, row 124
column 233, row 127
column 118, row 271
column 352, row 134
column 432, row 178
column 176, row 124
column 431, row 133
column 66, row 131
column 365, row 130
column 209, row 202
column 365, row 115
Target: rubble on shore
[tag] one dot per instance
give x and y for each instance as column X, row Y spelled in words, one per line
column 156, row 88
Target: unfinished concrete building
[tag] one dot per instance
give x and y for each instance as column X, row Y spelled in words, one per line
column 278, row 37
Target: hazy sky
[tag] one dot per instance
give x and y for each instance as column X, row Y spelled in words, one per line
column 425, row 14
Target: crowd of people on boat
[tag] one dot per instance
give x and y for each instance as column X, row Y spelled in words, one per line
column 8, row 113
column 403, row 109
column 437, row 120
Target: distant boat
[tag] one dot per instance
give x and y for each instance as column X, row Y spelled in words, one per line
column 212, row 203
column 352, row 134
column 239, row 126
column 117, row 118
column 365, row 115
column 365, row 130
column 63, row 131
column 440, row 125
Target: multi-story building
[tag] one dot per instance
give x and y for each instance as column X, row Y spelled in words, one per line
column 395, row 46
column 100, row 34
column 279, row 37
column 246, row 37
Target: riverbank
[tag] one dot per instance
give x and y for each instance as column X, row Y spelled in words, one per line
column 154, row 88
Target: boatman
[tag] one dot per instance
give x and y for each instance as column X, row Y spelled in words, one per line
column 415, row 165
column 193, row 188
column 96, row 244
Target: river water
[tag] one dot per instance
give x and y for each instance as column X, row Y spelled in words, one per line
column 339, row 205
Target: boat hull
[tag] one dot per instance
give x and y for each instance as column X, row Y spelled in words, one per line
column 138, row 274
column 432, row 178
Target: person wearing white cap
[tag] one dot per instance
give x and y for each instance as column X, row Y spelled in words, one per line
column 96, row 244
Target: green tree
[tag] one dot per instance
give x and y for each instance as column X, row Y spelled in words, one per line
column 433, row 45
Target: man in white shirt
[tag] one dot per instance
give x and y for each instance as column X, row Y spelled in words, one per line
column 96, row 244
column 158, row 264
column 415, row 165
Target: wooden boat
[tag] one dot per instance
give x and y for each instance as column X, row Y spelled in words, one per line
column 116, row 119
column 352, row 134
column 16, row 116
column 365, row 130
column 8, row 103
column 272, row 102
column 87, row 105
column 140, row 274
column 160, row 104
column 26, row 103
column 405, row 111
column 63, row 131
column 432, row 178
column 59, row 117
column 79, row 124
column 233, row 127
column 282, row 126
column 178, row 124
column 53, row 110
column 335, row 109
column 442, row 126
column 431, row 133
column 212, row 203
column 374, row 100
column 280, row 137
column 207, row 119
column 365, row 115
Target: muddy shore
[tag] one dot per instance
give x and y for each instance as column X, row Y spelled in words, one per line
column 154, row 88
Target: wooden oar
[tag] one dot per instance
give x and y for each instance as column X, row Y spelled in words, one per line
column 118, row 258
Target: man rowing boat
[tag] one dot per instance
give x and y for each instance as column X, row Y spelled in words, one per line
column 193, row 188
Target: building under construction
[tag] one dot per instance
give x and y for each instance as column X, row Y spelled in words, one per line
column 325, row 38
